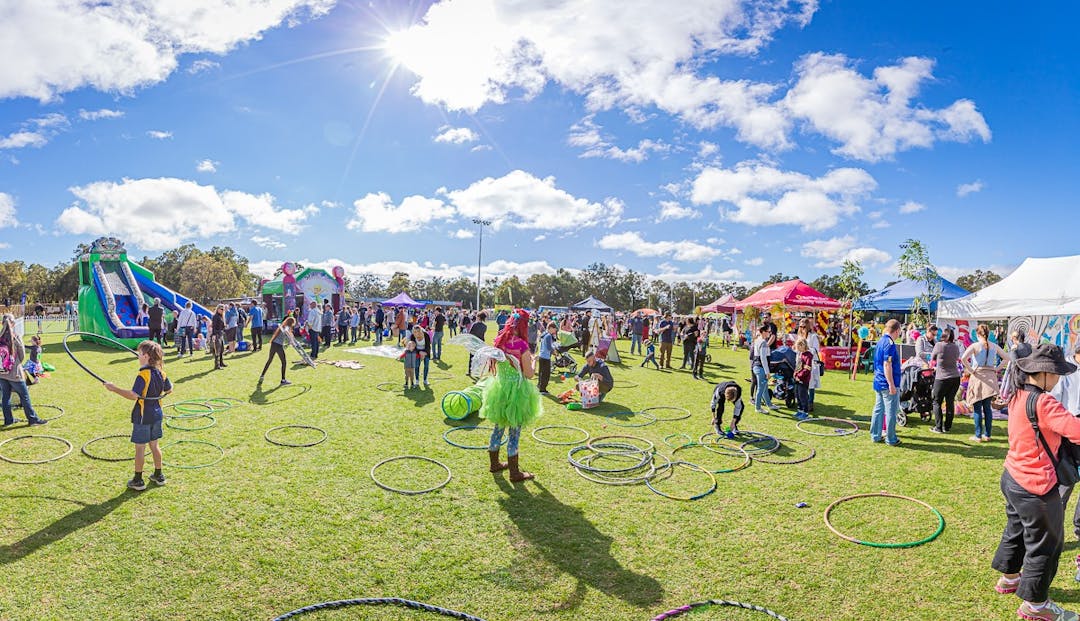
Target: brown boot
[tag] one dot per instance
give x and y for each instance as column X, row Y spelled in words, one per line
column 496, row 465
column 516, row 473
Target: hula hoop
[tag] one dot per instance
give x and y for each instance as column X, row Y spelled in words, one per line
column 716, row 447
column 813, row 452
column 206, row 465
column 213, row 421
column 575, row 442
column 15, row 406
column 592, row 444
column 745, row 464
column 624, row 384
column 70, row 447
column 468, row 405
column 613, row 421
column 630, row 449
column 409, row 492
column 386, row 386
column 681, row 610
column 836, row 432
column 228, row 403
column 186, row 411
column 689, row 440
column 87, row 369
column 607, row 479
column 903, row 544
column 379, row 601
column 685, row 415
column 294, row 445
column 115, row 435
column 439, row 376
column 469, row 446
column 671, row 468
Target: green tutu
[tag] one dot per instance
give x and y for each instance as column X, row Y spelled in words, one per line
column 509, row 399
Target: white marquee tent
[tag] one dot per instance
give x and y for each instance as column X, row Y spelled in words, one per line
column 1038, row 288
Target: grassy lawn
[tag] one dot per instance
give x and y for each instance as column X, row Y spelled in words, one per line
column 270, row 529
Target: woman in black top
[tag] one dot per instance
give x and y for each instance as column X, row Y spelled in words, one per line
column 217, row 337
column 689, row 342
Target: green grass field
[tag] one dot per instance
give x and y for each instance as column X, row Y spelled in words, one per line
column 270, row 529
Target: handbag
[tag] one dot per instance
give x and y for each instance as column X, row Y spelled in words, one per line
column 1065, row 464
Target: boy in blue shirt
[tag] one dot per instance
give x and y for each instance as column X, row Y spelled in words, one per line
column 547, row 348
column 650, row 354
column 146, row 415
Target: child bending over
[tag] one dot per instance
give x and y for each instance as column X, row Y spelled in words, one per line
column 727, row 392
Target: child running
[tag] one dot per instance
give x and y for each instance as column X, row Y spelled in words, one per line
column 277, row 348
column 146, row 415
column 727, row 392
column 803, row 374
column 650, row 355
column 412, row 363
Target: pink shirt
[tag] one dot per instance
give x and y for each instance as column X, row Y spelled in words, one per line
column 1026, row 460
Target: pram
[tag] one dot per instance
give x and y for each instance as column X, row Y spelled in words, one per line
column 916, row 393
column 782, row 373
column 561, row 359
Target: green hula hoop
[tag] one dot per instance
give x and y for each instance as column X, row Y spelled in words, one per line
column 671, row 468
column 685, row 413
column 446, row 434
column 410, row 492
column 689, row 440
column 902, row 544
column 746, row 457
column 213, row 421
column 611, row 416
column 571, row 428
column 228, row 403
column 196, row 467
column 126, row 436
column 188, row 409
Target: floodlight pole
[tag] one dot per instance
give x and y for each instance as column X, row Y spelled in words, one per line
column 479, row 256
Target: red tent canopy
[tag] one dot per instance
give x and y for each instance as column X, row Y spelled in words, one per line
column 722, row 304
column 793, row 294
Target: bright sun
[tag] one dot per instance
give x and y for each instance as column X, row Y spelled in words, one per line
column 399, row 47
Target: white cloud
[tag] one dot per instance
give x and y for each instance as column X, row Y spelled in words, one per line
column 756, row 261
column 463, row 234
column 911, row 207
column 586, row 134
column 874, row 118
column 880, row 224
column 267, row 242
column 21, row 139
column 480, row 147
column 706, row 149
column 520, row 200
column 953, row 272
column 377, row 213
column 833, row 252
column 118, row 46
column 645, row 54
column 157, row 214
column 4, row 245
column 634, row 243
column 96, row 115
column 540, row 238
column 672, row 210
column 456, row 135
column 670, row 273
column 202, row 65
column 415, row 270
column 761, row 195
column 159, row 135
column 964, row 189
column 206, row 166
column 7, row 211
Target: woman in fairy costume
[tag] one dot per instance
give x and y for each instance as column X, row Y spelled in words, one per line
column 510, row 400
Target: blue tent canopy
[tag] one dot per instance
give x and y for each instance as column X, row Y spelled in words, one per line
column 901, row 296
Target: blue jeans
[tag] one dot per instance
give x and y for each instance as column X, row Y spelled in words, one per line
column 802, row 396
column 6, row 387
column 761, row 397
column 635, row 342
column 983, row 414
column 885, row 408
column 185, row 340
column 422, row 362
column 436, row 345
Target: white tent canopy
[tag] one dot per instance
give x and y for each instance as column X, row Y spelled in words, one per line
column 1039, row 287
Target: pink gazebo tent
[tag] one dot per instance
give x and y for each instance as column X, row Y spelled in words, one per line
column 792, row 295
column 723, row 304
column 403, row 299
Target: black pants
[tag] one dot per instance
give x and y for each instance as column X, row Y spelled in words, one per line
column 945, row 390
column 342, row 334
column 687, row 355
column 326, row 336
column 256, row 338
column 699, row 365
column 275, row 350
column 1033, row 538
column 217, row 341
column 355, row 330
column 545, row 374
column 155, row 334
column 1066, row 492
column 585, row 338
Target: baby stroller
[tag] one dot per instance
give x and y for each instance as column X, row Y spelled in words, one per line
column 916, row 393
column 782, row 372
column 562, row 360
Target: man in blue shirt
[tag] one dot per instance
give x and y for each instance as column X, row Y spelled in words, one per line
column 547, row 348
column 636, row 325
column 255, row 316
column 667, row 339
column 886, row 381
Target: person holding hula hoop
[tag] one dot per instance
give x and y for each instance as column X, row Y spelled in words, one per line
column 12, row 353
column 146, row 415
column 510, row 401
column 277, row 348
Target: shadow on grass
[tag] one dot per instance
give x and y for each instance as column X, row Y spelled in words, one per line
column 566, row 540
column 85, row 516
column 271, row 396
column 419, row 396
column 945, row 444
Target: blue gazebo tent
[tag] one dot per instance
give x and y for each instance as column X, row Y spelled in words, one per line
column 901, row 296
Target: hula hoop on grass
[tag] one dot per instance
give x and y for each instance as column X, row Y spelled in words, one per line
column 746, row 458
column 611, row 415
column 629, row 451
column 70, row 447
column 439, row 376
column 571, row 428
column 902, row 544
column 213, row 421
column 469, row 446
column 468, row 405
column 681, row 610
column 836, row 432
column 379, row 601
column 196, row 467
column 115, row 435
column 386, row 386
column 609, row 479
column 410, row 492
column 689, row 440
column 598, row 442
column 228, row 403
column 756, row 436
column 87, row 369
column 685, row 413
column 190, row 409
column 671, row 468
column 296, row 445
column 800, row 460
column 15, row 406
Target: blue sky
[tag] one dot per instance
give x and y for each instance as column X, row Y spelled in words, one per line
column 724, row 141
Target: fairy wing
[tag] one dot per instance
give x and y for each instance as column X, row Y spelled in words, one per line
column 382, row 351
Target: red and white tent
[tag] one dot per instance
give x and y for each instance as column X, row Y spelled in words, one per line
column 723, row 304
column 793, row 295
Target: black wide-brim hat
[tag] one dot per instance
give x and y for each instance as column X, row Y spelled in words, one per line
column 1046, row 358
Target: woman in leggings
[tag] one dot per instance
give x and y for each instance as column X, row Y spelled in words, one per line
column 946, row 380
column 277, row 348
